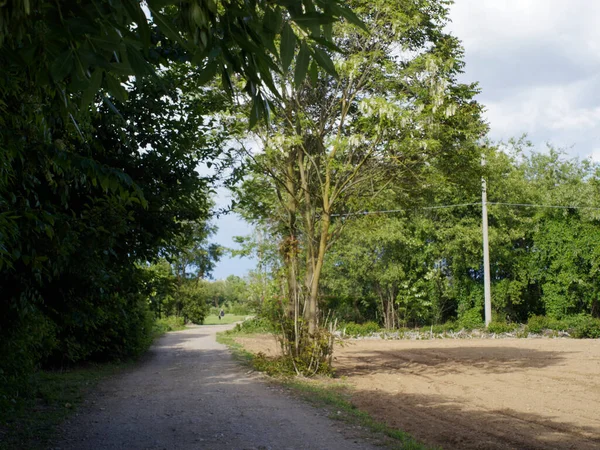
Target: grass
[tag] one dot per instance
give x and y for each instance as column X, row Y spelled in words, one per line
column 337, row 398
column 227, row 319
column 56, row 394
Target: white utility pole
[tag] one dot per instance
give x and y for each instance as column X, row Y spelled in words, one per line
column 486, row 251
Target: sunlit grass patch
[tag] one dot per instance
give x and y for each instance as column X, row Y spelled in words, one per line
column 228, row 318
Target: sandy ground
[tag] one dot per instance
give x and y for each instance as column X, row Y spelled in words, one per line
column 477, row 393
column 189, row 393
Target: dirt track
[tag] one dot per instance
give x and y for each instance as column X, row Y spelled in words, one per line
column 477, row 394
column 189, row 394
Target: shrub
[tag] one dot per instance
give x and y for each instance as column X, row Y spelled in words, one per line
column 278, row 366
column 240, row 309
column 443, row 327
column 170, row 323
column 587, row 327
column 471, row 319
column 537, row 324
column 501, row 327
column 23, row 347
column 255, row 325
column 363, row 329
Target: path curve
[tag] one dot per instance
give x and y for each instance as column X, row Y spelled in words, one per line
column 189, row 393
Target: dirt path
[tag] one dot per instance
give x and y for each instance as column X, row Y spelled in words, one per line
column 492, row 394
column 190, row 394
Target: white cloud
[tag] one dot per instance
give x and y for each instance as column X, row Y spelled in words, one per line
column 490, row 25
column 552, row 109
column 538, row 64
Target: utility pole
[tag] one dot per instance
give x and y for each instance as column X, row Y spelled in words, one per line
column 486, row 250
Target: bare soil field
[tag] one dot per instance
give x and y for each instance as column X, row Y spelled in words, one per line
column 475, row 393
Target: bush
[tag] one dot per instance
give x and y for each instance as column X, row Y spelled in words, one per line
column 240, row 309
column 587, row 328
column 581, row 326
column 502, row 327
column 22, row 347
column 471, row 319
column 442, row 328
column 255, row 325
column 537, row 324
column 363, row 329
column 170, row 323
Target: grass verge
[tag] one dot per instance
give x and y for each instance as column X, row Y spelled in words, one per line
column 336, row 399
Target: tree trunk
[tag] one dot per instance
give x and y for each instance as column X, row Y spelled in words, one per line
column 312, row 307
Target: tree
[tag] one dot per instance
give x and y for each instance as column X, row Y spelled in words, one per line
column 74, row 272
column 339, row 143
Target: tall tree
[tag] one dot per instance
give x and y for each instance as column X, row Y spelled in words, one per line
column 339, row 143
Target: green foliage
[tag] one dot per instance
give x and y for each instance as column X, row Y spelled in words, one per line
column 471, row 319
column 418, row 266
column 502, row 327
column 169, row 323
column 537, row 324
column 90, row 214
column 580, row 326
column 32, row 340
column 345, row 143
column 587, row 328
column 273, row 366
column 255, row 325
column 362, row 329
column 193, row 299
column 442, row 328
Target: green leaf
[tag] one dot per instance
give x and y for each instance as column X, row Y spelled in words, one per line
column 256, row 112
column 207, row 73
column 62, row 66
column 328, row 31
column 313, row 72
column 134, row 9
column 325, row 61
column 95, row 82
column 115, row 88
column 166, row 26
column 327, row 44
column 287, row 47
column 301, row 65
column 313, row 19
column 137, row 62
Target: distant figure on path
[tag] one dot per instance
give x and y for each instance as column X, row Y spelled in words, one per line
column 221, row 314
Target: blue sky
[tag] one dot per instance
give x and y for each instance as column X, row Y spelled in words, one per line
column 538, row 65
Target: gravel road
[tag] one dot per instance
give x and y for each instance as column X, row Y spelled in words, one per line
column 189, row 393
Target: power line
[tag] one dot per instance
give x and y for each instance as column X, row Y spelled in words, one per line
column 532, row 205
column 459, row 205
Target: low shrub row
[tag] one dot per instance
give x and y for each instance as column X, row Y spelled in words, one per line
column 254, row 325
column 580, row 327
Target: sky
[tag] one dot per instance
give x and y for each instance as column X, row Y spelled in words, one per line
column 538, row 66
